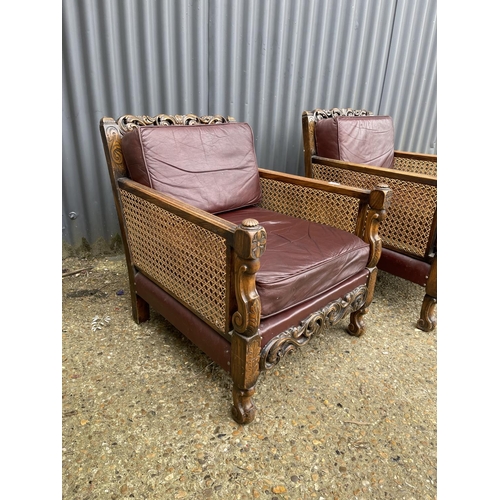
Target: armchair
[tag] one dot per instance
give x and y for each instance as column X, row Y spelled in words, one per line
column 409, row 232
column 249, row 264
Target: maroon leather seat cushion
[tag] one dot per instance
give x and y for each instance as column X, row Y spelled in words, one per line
column 357, row 139
column 212, row 167
column 302, row 259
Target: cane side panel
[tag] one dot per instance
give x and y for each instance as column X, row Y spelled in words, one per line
column 415, row 166
column 315, row 205
column 188, row 261
column 409, row 220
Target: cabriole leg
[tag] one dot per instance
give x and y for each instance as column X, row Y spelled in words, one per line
column 357, row 326
column 427, row 320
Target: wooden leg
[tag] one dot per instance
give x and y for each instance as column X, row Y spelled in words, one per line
column 245, row 355
column 140, row 309
column 249, row 245
column 243, row 409
column 428, row 321
column 357, row 325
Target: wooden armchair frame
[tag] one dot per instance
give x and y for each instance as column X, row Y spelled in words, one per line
column 204, row 283
column 409, row 232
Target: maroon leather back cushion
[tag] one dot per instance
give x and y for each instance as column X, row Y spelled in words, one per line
column 212, row 167
column 357, row 139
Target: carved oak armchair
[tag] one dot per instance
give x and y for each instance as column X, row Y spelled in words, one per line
column 336, row 151
column 247, row 263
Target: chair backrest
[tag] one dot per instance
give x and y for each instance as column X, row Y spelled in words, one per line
column 112, row 131
column 367, row 140
column 414, row 202
column 316, row 115
column 212, row 168
column 309, row 121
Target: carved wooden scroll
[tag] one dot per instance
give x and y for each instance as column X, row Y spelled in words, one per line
column 297, row 336
column 129, row 122
column 380, row 200
column 250, row 243
column 113, row 131
column 320, row 114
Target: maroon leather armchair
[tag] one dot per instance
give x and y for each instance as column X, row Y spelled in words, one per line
column 249, row 264
column 355, row 148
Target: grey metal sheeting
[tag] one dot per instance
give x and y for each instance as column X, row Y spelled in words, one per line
column 260, row 61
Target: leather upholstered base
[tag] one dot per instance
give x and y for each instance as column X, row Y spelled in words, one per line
column 213, row 344
column 192, row 327
column 404, row 266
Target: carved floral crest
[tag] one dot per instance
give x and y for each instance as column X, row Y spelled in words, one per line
column 321, row 114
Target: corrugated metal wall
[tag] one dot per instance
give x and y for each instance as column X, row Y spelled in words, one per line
column 261, row 61
column 409, row 94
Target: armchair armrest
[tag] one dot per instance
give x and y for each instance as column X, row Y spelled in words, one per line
column 414, row 202
column 355, row 210
column 185, row 211
column 314, row 200
column 334, row 204
column 418, row 163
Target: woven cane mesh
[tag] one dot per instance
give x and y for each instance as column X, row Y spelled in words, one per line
column 188, row 261
column 408, row 224
column 415, row 166
column 310, row 204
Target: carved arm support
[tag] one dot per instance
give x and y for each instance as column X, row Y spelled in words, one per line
column 249, row 245
column 380, row 200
